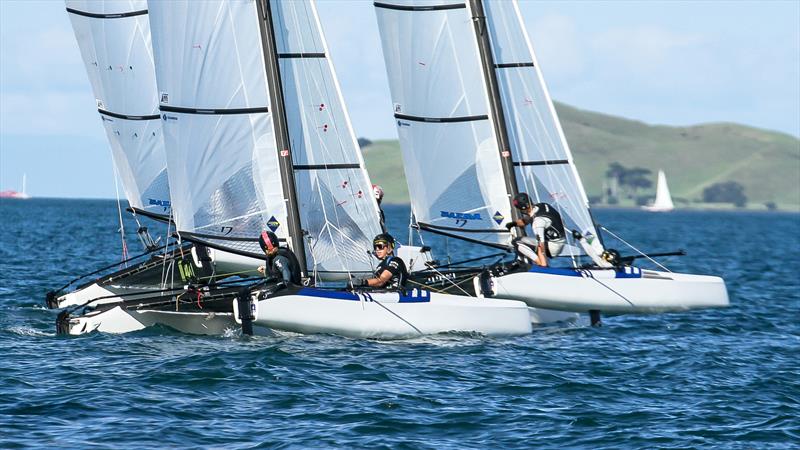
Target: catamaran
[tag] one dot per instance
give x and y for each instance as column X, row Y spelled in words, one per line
column 257, row 137
column 477, row 126
column 663, row 200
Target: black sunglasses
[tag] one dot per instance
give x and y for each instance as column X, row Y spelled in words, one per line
column 380, row 246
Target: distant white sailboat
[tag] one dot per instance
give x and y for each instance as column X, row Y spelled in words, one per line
column 663, row 201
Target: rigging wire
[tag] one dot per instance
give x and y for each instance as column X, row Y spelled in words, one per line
column 635, row 249
column 119, row 211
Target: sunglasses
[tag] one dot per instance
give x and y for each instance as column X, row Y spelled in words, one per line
column 380, row 246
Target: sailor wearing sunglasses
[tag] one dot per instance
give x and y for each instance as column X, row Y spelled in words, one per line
column 391, row 272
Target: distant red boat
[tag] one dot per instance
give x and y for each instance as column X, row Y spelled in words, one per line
column 14, row 194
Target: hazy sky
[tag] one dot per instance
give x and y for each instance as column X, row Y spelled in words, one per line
column 672, row 62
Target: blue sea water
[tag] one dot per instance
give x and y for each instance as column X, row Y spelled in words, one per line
column 717, row 378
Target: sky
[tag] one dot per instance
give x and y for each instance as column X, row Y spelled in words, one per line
column 661, row 62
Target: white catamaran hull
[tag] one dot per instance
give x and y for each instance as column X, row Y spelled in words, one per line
column 118, row 320
column 628, row 290
column 390, row 315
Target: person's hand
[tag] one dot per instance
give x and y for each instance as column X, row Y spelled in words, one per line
column 510, row 225
column 577, row 235
column 356, row 283
column 261, row 269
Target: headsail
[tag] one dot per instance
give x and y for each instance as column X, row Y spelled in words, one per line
column 114, row 40
column 542, row 159
column 222, row 133
column 443, row 118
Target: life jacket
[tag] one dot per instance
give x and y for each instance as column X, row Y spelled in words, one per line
column 294, row 265
column 556, row 229
column 398, row 269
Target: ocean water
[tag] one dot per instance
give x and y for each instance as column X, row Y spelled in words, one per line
column 717, row 378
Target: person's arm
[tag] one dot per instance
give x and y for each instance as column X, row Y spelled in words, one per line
column 380, row 281
column 282, row 263
column 521, row 222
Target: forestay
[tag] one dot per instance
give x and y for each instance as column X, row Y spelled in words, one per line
column 337, row 209
column 218, row 128
column 114, row 40
column 542, row 159
column 443, row 119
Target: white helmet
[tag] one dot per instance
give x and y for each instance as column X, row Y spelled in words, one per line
column 377, row 191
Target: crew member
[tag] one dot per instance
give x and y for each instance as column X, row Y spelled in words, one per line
column 391, row 272
column 377, row 191
column 281, row 262
column 547, row 227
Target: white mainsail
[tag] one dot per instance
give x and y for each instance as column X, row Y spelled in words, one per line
column 434, row 66
column 114, row 40
column 221, row 137
column 663, row 201
column 442, row 112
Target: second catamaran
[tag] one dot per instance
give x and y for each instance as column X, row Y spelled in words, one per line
column 477, row 127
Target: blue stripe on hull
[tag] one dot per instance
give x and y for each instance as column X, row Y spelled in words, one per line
column 323, row 293
column 624, row 272
column 413, row 296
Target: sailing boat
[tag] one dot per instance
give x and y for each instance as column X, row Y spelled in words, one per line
column 257, row 138
column 115, row 45
column 663, row 201
column 476, row 127
column 18, row 195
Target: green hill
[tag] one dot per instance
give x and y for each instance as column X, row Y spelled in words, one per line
column 765, row 163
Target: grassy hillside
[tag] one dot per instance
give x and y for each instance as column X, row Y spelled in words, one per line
column 766, row 163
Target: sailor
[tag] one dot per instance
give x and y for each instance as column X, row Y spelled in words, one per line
column 377, row 191
column 391, row 272
column 547, row 227
column 281, row 262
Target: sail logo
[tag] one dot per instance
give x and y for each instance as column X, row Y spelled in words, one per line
column 403, row 124
column 273, row 223
column 157, row 202
column 498, row 217
column 166, row 117
column 461, row 216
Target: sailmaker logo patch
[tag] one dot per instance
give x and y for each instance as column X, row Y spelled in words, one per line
column 273, row 223
column 498, row 217
column 461, row 216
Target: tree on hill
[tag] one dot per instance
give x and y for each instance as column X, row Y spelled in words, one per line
column 629, row 179
column 727, row 192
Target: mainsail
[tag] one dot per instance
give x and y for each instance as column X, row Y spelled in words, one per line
column 229, row 135
column 443, row 118
column 114, row 40
column 434, row 58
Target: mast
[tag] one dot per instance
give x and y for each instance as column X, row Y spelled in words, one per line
column 285, row 161
column 496, row 108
